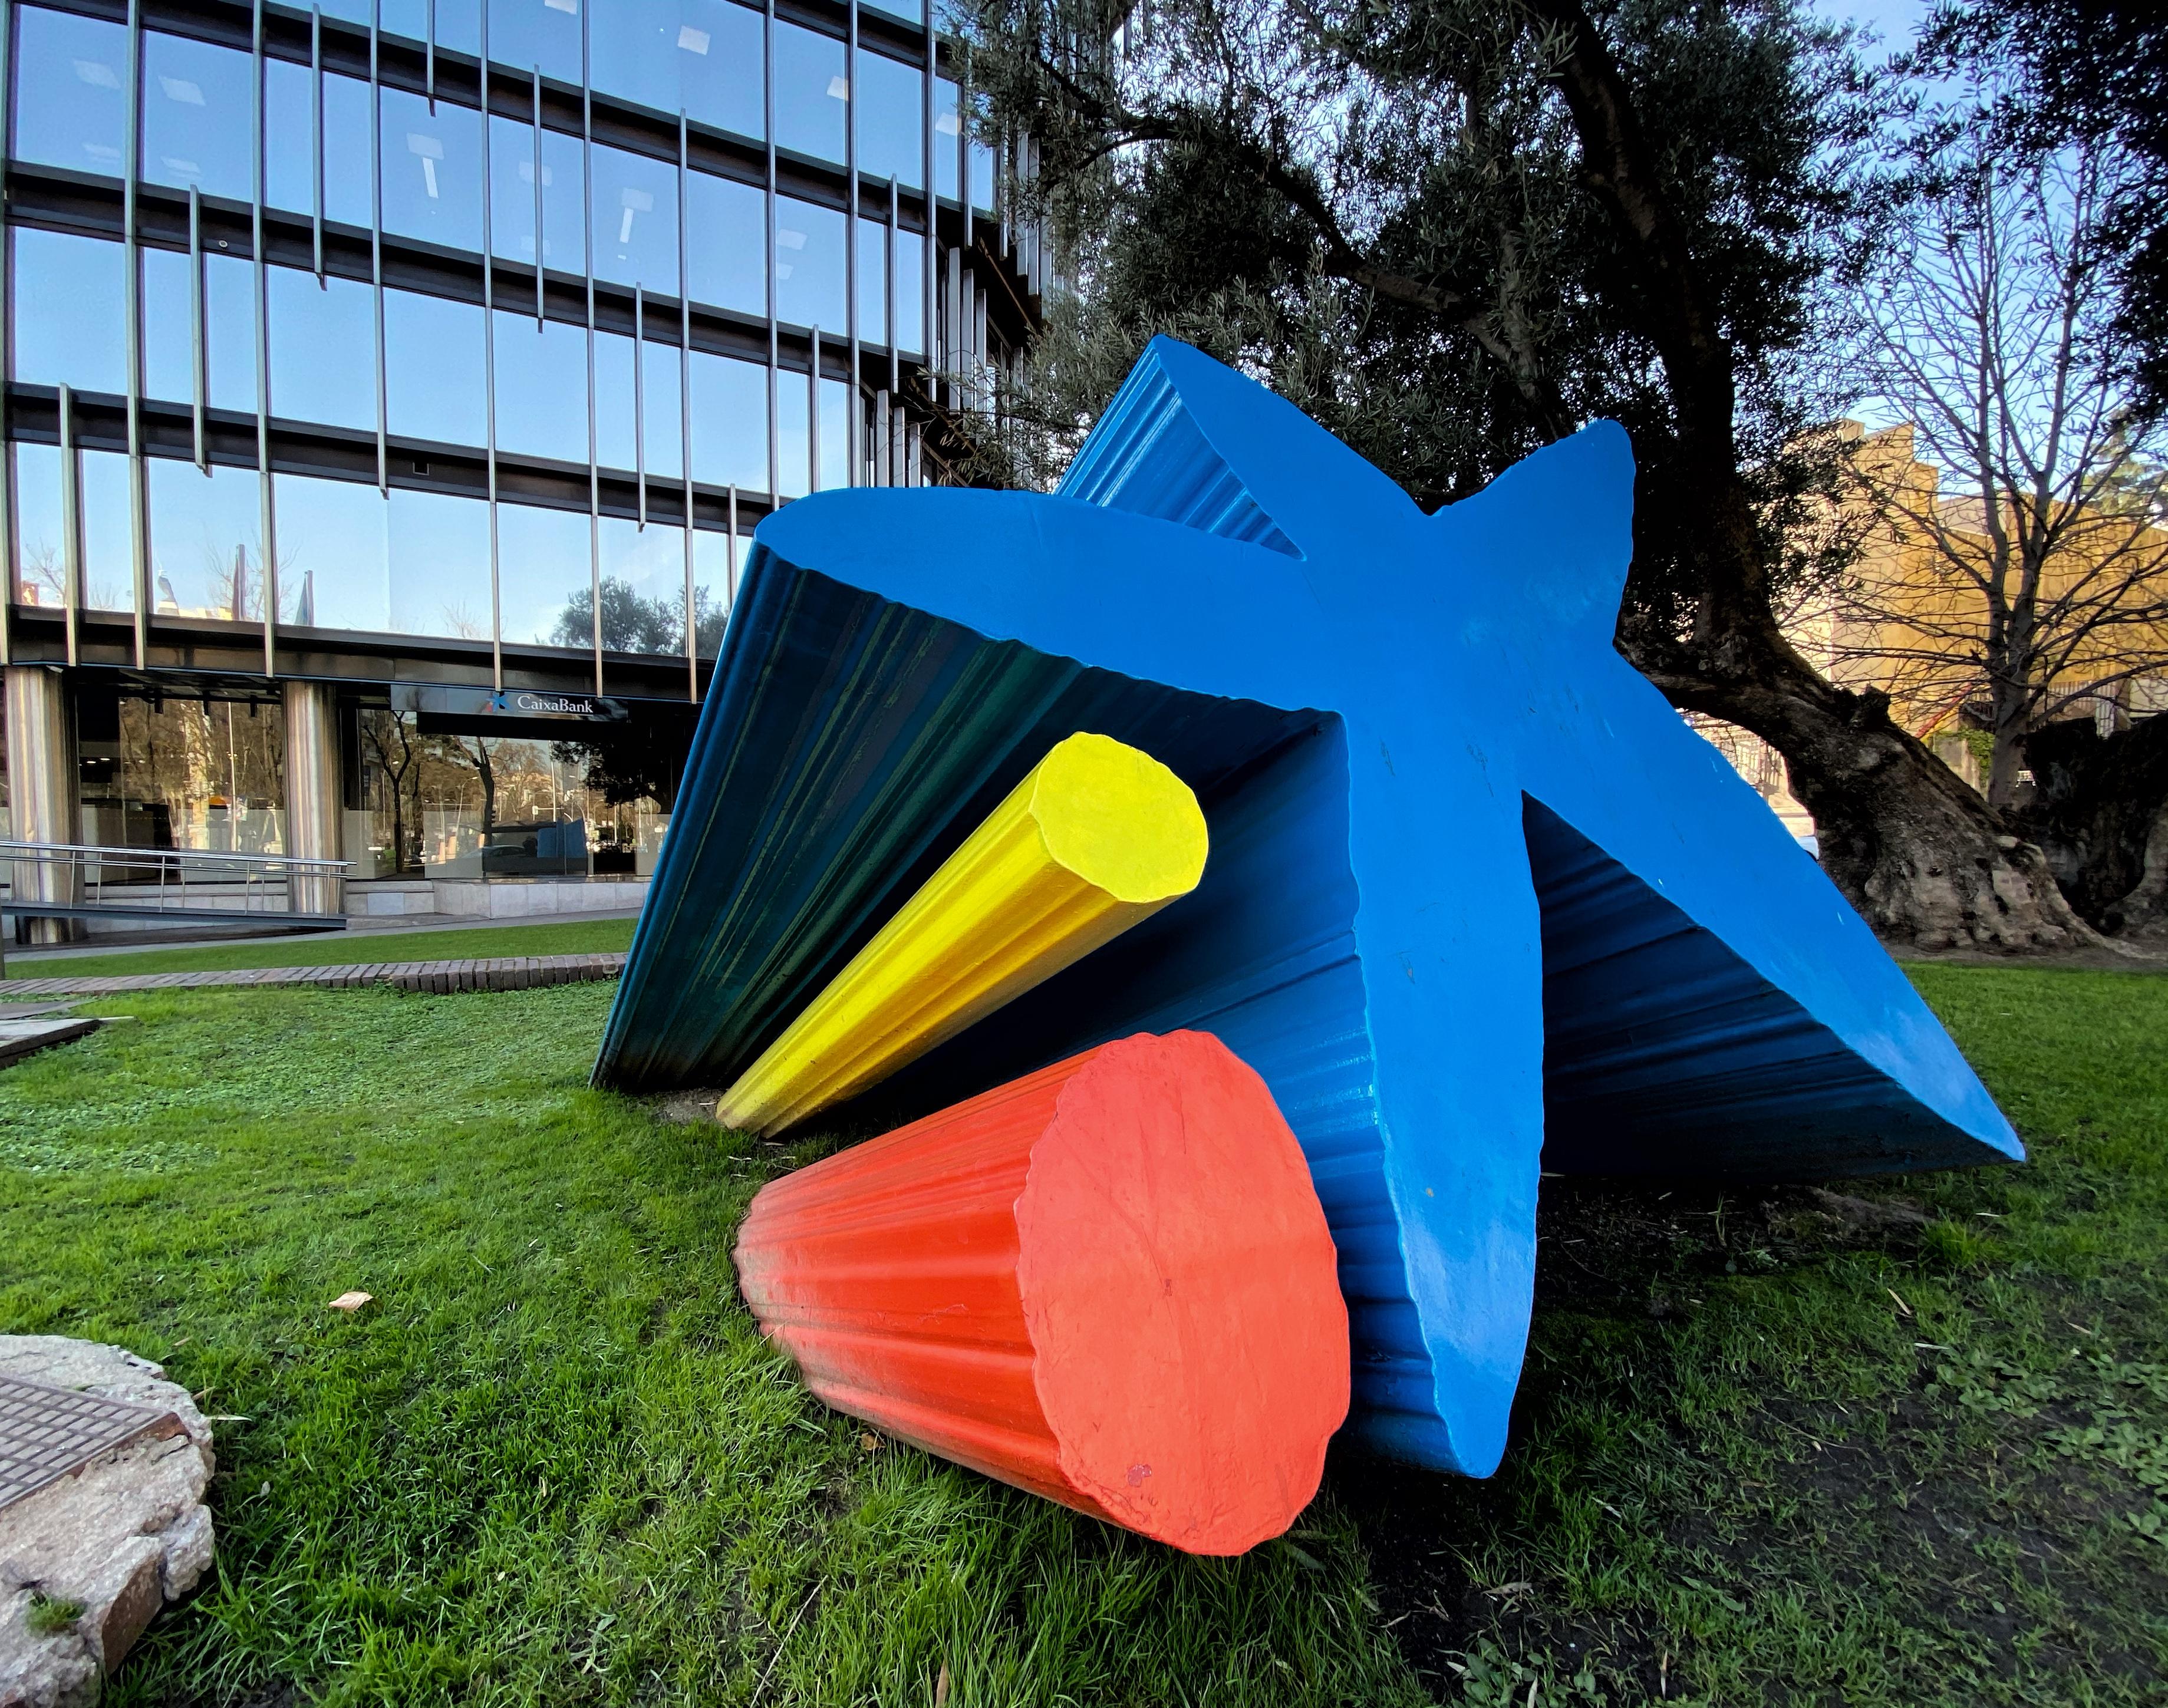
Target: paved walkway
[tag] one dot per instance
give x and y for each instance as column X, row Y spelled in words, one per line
column 512, row 972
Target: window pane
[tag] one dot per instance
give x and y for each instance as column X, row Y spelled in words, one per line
column 432, row 170
column 910, row 11
column 348, row 194
column 702, row 56
column 206, row 542
column 715, row 578
column 230, row 333
column 794, row 449
column 984, row 170
column 529, row 33
column 836, row 447
column 613, row 402
column 643, row 587
column 541, row 388
column 199, row 102
column 873, row 282
column 438, row 550
column 544, row 576
column 729, row 423
column 38, row 573
column 109, row 561
column 459, row 23
column 168, row 358
column 70, row 91
column 948, row 131
column 727, row 229
column 331, row 554
column 808, row 265
column 511, row 195
column 666, row 423
column 69, row 308
column 434, row 356
column 812, row 95
column 891, row 119
column 635, row 217
column 323, row 350
column 288, row 142
column 911, row 292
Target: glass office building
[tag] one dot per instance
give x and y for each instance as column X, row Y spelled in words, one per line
column 390, row 374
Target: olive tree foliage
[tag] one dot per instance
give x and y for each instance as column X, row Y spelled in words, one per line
column 1454, row 231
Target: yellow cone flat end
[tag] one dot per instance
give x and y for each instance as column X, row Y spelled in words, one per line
column 1119, row 819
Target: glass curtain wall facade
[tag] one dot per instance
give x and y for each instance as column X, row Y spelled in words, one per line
column 460, row 342
column 484, row 323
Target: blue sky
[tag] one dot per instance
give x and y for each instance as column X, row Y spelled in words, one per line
column 1893, row 20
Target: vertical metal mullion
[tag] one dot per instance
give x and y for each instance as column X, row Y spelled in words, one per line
column 640, row 402
column 929, row 330
column 731, row 557
column 376, row 244
column 538, row 198
column 685, row 408
column 8, row 544
column 429, row 61
column 316, row 138
column 888, row 285
column 489, row 360
column 854, row 436
column 71, row 518
column 587, row 268
column 266, row 509
column 139, row 481
column 767, row 130
column 813, row 416
column 199, row 352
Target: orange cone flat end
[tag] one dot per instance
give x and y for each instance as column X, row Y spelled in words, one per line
column 1108, row 1283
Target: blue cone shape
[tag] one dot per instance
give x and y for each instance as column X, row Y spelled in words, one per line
column 1478, row 899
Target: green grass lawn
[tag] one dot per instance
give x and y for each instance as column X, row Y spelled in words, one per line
column 345, row 949
column 1769, row 1448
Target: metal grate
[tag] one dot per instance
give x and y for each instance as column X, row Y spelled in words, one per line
column 47, row 1432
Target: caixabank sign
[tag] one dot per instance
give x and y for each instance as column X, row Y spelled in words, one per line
column 454, row 711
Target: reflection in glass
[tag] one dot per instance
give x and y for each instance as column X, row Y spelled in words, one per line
column 433, row 373
column 432, row 170
column 109, row 561
column 70, row 91
column 39, row 573
column 68, row 306
column 331, row 554
column 541, row 388
column 198, row 106
column 544, row 576
column 459, row 22
column 910, row 293
column 948, row 131
column 613, row 406
column 529, row 33
column 635, row 215
column 700, row 56
column 168, row 312
column 726, row 228
column 808, row 265
column 206, row 542
column 289, row 159
column 323, row 350
column 794, row 449
column 984, row 170
column 729, row 423
column 835, row 434
column 643, row 575
column 511, row 195
column 228, row 326
column 713, row 580
column 872, row 276
column 436, row 558
column 812, row 93
column 891, row 119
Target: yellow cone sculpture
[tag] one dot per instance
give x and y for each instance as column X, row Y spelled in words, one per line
column 1097, row 837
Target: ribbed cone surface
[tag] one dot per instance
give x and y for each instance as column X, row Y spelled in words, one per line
column 1109, row 1282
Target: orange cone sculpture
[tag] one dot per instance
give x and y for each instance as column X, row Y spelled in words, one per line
column 1108, row 1283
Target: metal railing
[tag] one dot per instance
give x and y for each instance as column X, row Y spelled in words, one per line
column 74, row 880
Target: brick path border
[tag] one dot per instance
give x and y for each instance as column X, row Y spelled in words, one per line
column 511, row 972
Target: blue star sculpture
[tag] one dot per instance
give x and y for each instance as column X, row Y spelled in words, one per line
column 1478, row 900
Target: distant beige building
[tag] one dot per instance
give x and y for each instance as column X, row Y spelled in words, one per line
column 1903, row 620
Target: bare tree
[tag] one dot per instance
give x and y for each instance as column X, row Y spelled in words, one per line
column 388, row 735
column 2024, row 564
